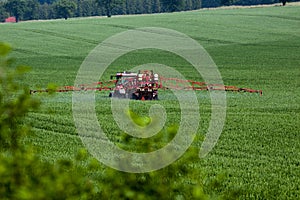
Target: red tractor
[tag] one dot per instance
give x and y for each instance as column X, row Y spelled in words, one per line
column 140, row 86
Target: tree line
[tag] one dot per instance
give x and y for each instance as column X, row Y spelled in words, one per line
column 253, row 2
column 217, row 3
column 53, row 9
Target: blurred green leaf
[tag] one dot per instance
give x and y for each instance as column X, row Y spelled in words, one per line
column 23, row 174
column 4, row 49
column 51, row 88
column 142, row 121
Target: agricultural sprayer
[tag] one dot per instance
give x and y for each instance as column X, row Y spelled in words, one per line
column 144, row 85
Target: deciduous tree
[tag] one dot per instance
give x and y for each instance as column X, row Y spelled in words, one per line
column 64, row 8
column 172, row 5
column 107, row 4
column 156, row 8
column 283, row 2
column 16, row 8
column 31, row 10
column 3, row 13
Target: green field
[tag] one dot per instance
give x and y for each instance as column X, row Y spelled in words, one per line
column 258, row 48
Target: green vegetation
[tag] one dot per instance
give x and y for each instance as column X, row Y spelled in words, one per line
column 53, row 9
column 64, row 9
column 252, row 2
column 258, row 151
column 23, row 175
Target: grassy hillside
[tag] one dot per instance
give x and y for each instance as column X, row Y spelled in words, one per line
column 257, row 48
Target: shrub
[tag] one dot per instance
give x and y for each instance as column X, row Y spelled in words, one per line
column 22, row 173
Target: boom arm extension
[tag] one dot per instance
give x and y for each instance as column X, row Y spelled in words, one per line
column 179, row 84
column 99, row 86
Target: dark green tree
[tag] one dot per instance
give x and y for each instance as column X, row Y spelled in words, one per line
column 243, row 2
column 78, row 8
column 130, row 6
column 31, row 10
column 45, row 11
column 210, row 3
column 107, row 4
column 85, row 8
column 188, row 5
column 64, row 8
column 112, row 6
column 172, row 5
column 147, row 6
column 47, row 1
column 283, row 2
column 118, row 8
column 225, row 2
column 16, row 8
column 196, row 4
column 139, row 7
column 3, row 13
column 156, row 6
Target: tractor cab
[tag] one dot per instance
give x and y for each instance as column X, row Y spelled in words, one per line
column 140, row 86
column 125, row 82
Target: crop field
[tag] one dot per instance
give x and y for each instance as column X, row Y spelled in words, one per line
column 259, row 48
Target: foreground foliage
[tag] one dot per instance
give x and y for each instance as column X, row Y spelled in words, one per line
column 22, row 174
